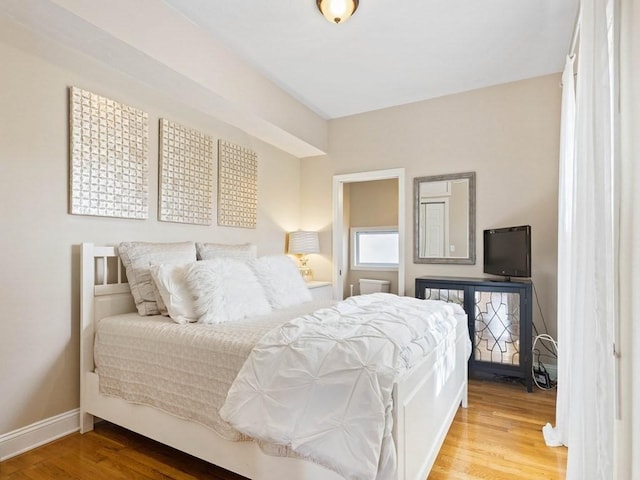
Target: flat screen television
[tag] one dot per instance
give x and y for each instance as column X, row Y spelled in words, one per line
column 507, row 251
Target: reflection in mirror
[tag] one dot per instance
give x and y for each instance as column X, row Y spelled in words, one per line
column 444, row 219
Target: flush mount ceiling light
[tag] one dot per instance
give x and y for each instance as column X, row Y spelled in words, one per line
column 337, row 11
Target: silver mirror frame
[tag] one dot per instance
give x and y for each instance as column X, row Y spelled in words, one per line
column 471, row 259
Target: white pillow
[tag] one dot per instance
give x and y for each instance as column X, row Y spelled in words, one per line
column 170, row 279
column 209, row 251
column 137, row 257
column 281, row 281
column 224, row 290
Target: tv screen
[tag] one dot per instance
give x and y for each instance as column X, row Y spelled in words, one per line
column 507, row 251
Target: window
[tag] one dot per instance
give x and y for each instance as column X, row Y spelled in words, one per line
column 375, row 248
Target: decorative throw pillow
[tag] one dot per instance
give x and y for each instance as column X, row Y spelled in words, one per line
column 137, row 258
column 209, row 251
column 281, row 281
column 162, row 308
column 170, row 279
column 224, row 290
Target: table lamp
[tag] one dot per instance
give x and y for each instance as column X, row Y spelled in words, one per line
column 302, row 243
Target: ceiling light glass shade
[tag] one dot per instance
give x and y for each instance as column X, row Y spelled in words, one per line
column 337, row 11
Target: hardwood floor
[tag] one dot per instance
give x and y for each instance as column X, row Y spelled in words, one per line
column 498, row 437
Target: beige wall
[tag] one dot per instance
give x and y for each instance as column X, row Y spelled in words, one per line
column 371, row 204
column 39, row 240
column 374, row 203
column 507, row 134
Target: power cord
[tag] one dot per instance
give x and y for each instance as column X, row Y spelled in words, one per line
column 544, row 322
column 539, row 372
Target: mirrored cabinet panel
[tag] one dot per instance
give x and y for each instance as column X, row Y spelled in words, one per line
column 497, row 327
column 444, row 294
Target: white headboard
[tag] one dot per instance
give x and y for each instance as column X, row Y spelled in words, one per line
column 104, row 291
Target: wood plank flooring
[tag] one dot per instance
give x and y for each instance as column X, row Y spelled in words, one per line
column 498, row 437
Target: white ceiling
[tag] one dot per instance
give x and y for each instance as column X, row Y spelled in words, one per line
column 391, row 52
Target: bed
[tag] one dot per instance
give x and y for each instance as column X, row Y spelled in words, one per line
column 425, row 398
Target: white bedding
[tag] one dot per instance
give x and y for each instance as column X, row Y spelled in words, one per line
column 185, row 370
column 322, row 383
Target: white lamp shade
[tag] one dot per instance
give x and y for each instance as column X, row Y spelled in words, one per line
column 302, row 242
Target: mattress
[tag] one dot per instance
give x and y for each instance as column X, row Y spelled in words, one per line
column 185, row 370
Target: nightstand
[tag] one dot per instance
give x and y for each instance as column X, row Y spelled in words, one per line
column 320, row 290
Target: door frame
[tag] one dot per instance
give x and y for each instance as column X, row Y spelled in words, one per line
column 339, row 255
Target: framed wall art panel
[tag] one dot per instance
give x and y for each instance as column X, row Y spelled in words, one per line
column 186, row 175
column 108, row 157
column 237, row 186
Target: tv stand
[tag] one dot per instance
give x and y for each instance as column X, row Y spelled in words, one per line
column 500, row 321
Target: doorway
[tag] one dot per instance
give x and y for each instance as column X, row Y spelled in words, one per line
column 341, row 229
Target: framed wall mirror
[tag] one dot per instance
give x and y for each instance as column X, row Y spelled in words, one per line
column 445, row 219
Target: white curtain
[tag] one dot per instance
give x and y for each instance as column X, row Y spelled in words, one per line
column 628, row 425
column 565, row 248
column 587, row 258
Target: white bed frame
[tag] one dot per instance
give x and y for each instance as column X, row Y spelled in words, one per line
column 425, row 400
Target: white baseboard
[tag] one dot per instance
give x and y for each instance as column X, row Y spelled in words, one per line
column 32, row 436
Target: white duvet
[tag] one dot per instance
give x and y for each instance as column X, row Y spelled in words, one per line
column 321, row 384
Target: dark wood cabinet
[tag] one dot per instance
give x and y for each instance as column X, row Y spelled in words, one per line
column 500, row 316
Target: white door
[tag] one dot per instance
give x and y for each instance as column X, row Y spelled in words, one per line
column 435, row 229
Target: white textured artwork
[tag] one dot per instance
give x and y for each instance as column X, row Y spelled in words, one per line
column 186, row 175
column 109, row 145
column 237, row 186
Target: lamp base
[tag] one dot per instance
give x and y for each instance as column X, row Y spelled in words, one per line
column 306, row 273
